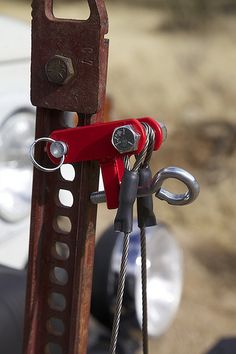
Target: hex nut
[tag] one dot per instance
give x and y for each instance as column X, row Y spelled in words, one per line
column 59, row 70
column 125, row 139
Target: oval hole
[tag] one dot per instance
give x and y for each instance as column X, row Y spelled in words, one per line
column 57, row 302
column 53, row 348
column 59, row 276
column 68, row 172
column 174, row 186
column 61, row 251
column 62, row 224
column 65, row 197
column 55, row 326
column 77, row 11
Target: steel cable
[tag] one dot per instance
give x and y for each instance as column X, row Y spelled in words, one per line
column 140, row 158
column 145, row 155
column 144, row 290
column 150, row 148
column 120, row 294
column 149, row 151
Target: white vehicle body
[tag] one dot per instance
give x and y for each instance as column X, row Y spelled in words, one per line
column 16, row 113
column 15, row 107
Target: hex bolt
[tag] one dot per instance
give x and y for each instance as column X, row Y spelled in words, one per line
column 125, row 139
column 59, row 70
column 58, row 149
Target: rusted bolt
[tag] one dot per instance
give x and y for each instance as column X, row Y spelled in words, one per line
column 59, row 70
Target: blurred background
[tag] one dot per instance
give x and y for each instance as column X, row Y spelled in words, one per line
column 175, row 60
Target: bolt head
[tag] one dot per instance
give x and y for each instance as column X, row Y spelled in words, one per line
column 125, row 139
column 58, row 149
column 59, row 70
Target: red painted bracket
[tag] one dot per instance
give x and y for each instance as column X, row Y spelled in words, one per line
column 94, row 142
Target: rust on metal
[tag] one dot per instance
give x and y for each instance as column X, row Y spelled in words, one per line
column 82, row 41
column 62, row 236
column 59, row 70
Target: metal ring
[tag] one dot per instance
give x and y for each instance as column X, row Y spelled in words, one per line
column 182, row 176
column 156, row 187
column 36, row 164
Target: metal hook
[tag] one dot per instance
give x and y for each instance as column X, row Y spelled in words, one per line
column 156, row 187
column 181, row 175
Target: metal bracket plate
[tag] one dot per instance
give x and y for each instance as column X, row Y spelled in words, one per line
column 85, row 53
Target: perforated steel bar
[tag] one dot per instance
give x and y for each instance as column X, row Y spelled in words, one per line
column 62, row 235
column 62, row 238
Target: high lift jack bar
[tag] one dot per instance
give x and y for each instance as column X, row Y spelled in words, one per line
column 69, row 66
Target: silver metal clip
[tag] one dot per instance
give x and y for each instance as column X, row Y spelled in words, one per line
column 58, row 149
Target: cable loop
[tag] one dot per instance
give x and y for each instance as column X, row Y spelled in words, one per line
column 144, row 157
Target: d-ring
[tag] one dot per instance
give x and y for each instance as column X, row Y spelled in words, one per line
column 181, row 175
column 36, row 164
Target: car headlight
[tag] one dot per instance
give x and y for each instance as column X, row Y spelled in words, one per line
column 16, row 135
column 164, row 279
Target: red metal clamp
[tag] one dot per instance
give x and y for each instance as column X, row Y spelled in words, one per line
column 94, row 142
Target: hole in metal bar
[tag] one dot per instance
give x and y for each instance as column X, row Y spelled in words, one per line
column 68, row 172
column 61, row 251
column 57, row 302
column 65, row 198
column 78, row 11
column 59, row 276
column 53, row 348
column 55, row 326
column 62, row 224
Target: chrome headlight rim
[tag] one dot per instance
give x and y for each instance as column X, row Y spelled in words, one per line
column 20, row 195
column 23, row 109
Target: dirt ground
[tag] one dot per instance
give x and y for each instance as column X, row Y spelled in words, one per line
column 188, row 81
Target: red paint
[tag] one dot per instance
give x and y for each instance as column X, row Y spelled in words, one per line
column 90, row 143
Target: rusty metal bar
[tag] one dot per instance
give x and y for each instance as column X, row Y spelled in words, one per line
column 62, row 237
column 56, row 229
